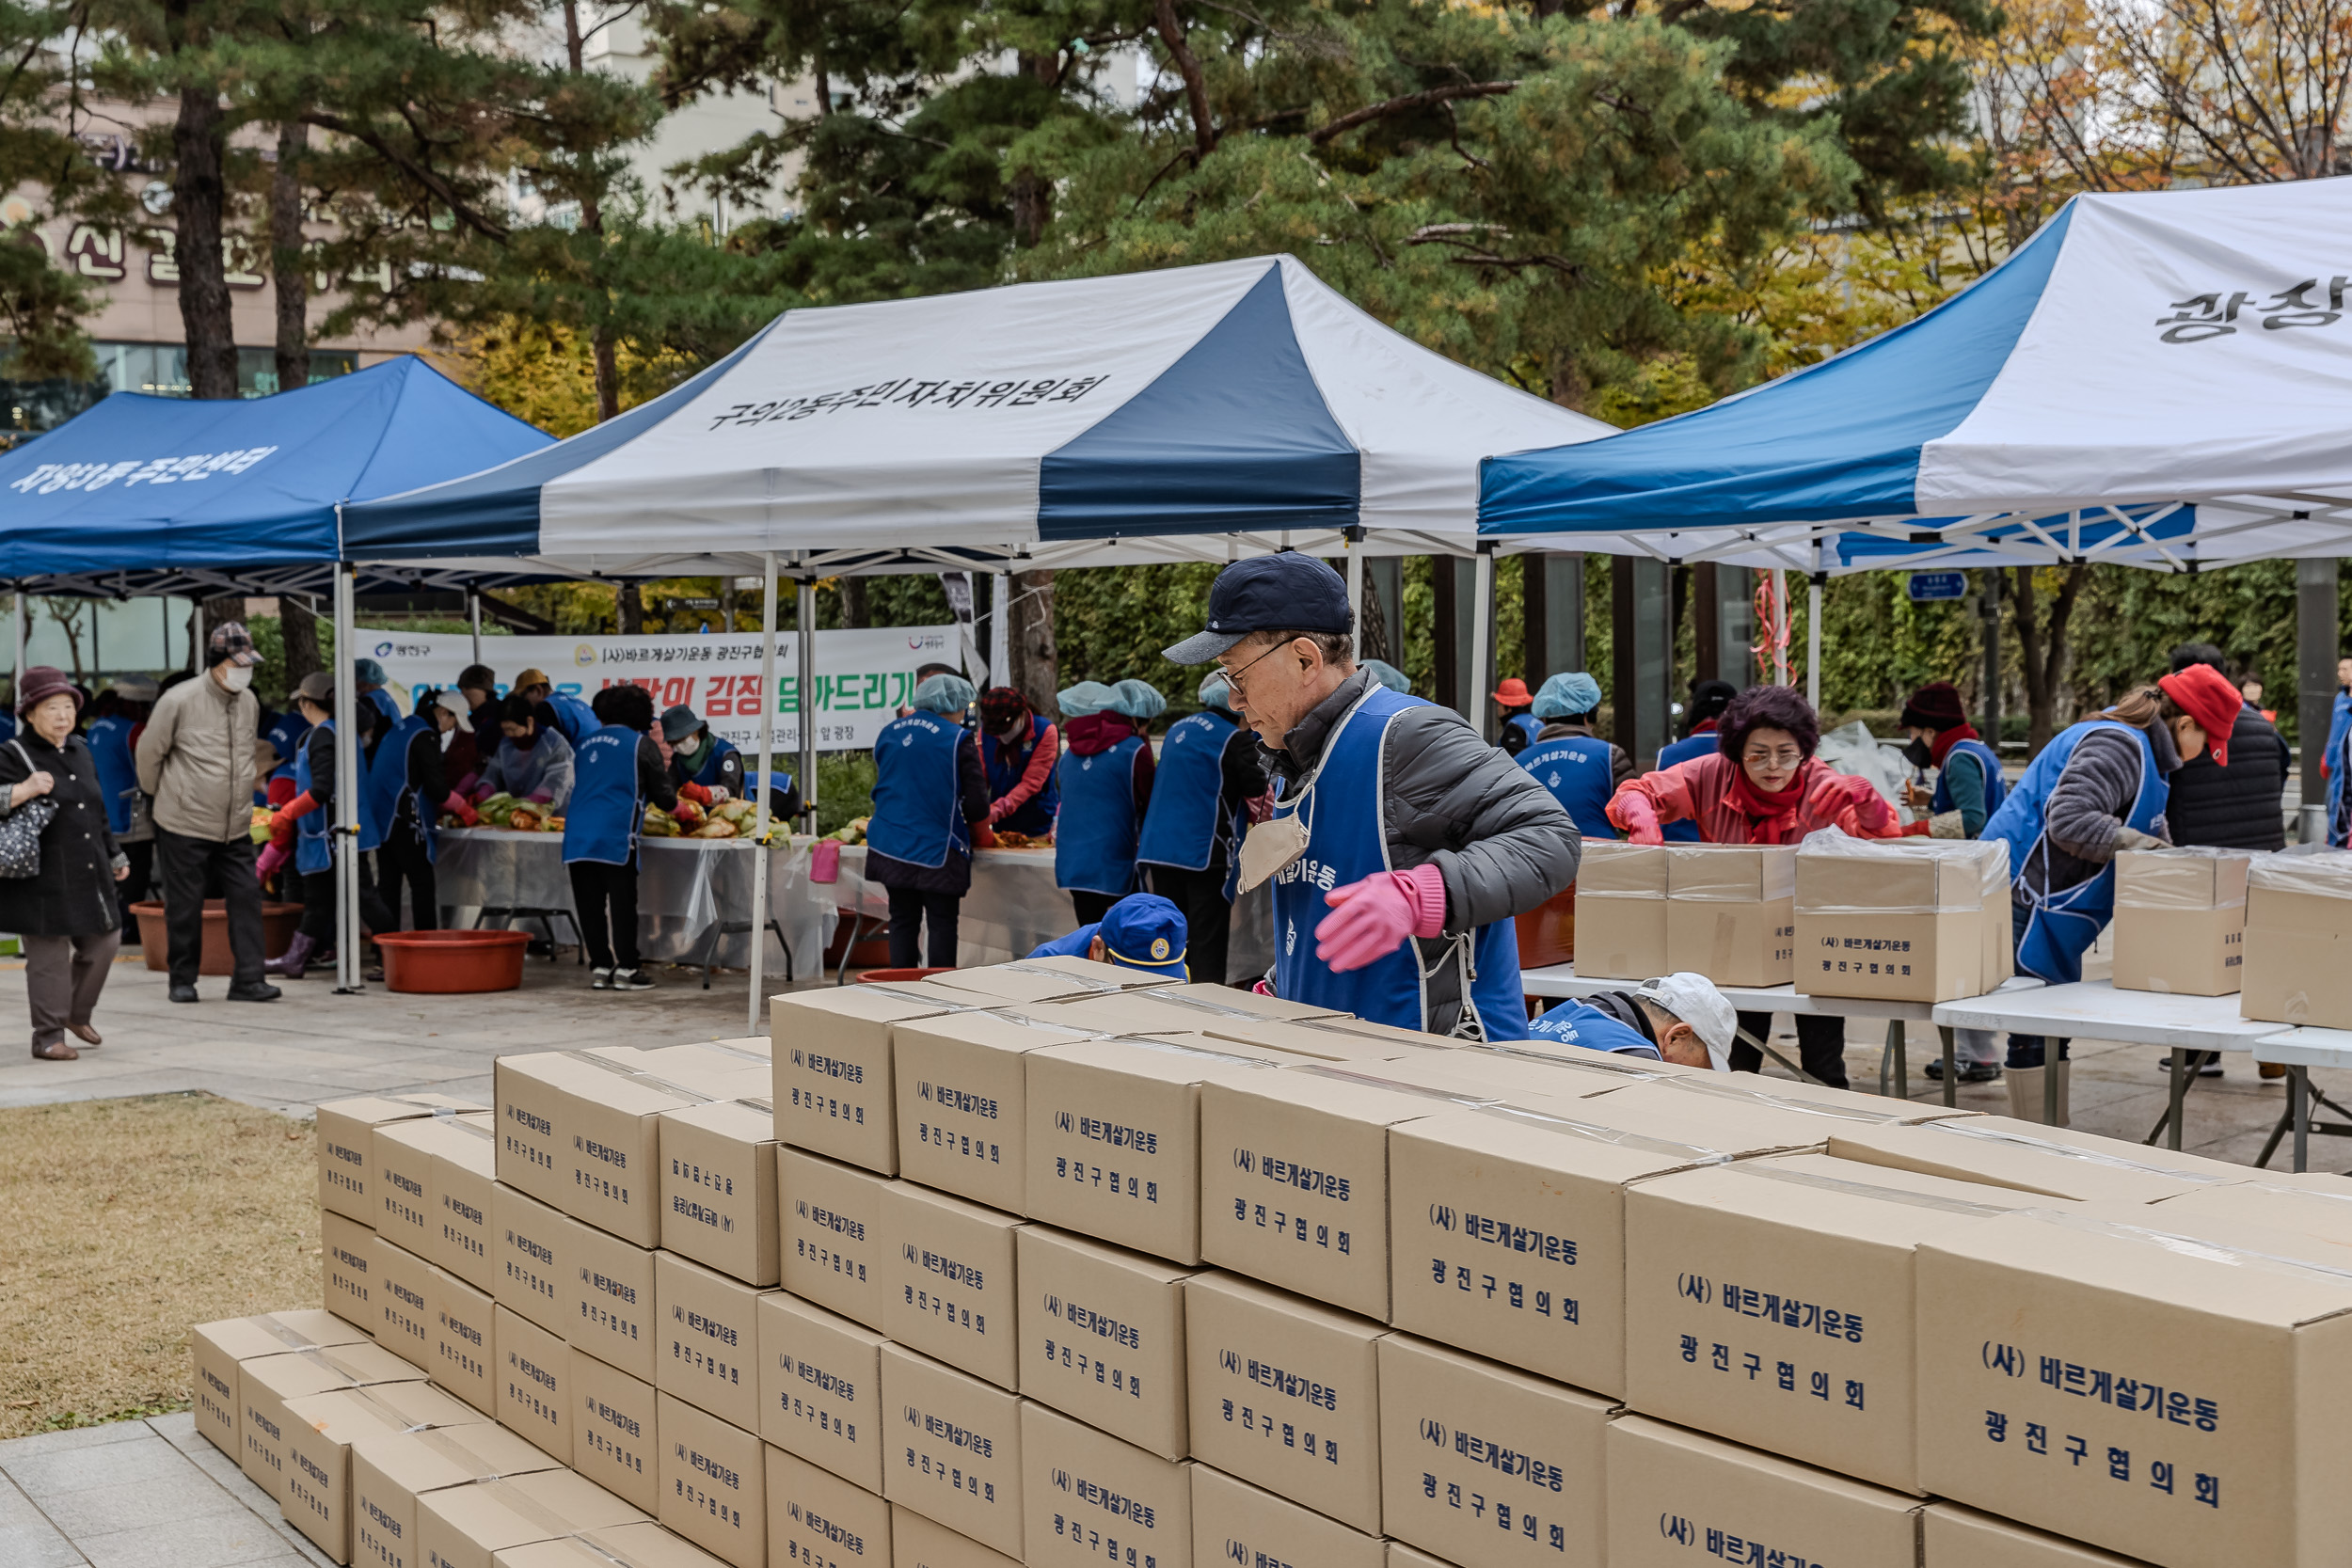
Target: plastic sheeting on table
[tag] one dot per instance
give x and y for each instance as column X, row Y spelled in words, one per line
column 689, row 892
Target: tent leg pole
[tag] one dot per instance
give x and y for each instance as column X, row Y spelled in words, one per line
column 346, row 830
column 1355, row 590
column 1482, row 639
column 1000, row 628
column 767, row 765
column 17, row 669
column 1813, row 643
column 473, row 609
column 805, row 619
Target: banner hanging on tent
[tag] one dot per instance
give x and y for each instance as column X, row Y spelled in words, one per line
column 864, row 677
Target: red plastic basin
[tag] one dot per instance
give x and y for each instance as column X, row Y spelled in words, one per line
column 898, row 976
column 445, row 961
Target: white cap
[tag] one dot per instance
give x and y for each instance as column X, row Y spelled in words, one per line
column 1694, row 999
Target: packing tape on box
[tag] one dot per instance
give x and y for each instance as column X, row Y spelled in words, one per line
column 1070, row 1034
column 1962, row 1129
column 558, row 1528
column 2175, row 878
column 445, row 1441
column 1710, row 874
column 1100, row 988
column 2194, row 1246
column 284, row 1333
column 1692, row 1084
column 393, row 1418
column 1503, row 1110
column 653, row 1081
column 1177, row 1048
column 1989, row 857
column 325, row 1358
column 476, row 1129
column 1937, row 1202
column 724, row 1049
column 2324, row 875
column 935, row 1003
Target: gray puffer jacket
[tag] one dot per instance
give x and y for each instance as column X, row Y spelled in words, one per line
column 1495, row 833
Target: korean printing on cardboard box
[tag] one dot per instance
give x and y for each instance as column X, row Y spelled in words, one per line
column 1675, row 1497
column 219, row 1348
column 1102, row 1336
column 1901, row 919
column 820, row 1389
column 1234, row 1522
column 390, row 1471
column 817, row 1520
column 347, row 1143
column 1091, row 1498
column 2180, row 920
column 1621, row 910
column 834, row 1088
column 2298, row 940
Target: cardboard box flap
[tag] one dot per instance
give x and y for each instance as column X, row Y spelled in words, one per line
column 2326, row 873
column 1616, row 869
column 275, row 1333
column 1957, row 1537
column 347, row 1415
column 1169, row 1061
column 301, row 1373
column 1224, row 1002
column 890, row 1003
column 1319, row 1039
column 2182, row 879
column 647, row 1545
column 376, row 1109
column 436, row 1457
column 1734, row 1122
column 498, row 1511
column 1005, row 1030
column 1838, row 874
column 1816, row 1192
column 1046, row 979
column 1970, row 1149
column 1730, row 873
column 1778, row 1471
column 2052, row 1142
column 1835, row 1106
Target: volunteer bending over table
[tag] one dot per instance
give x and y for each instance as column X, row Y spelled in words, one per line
column 699, row 757
column 1142, row 930
column 1105, row 781
column 1679, row 1017
column 1209, row 772
column 533, row 761
column 618, row 769
column 1579, row 768
column 928, row 793
column 400, row 800
column 1019, row 747
column 1402, row 844
column 1708, row 701
column 1762, row 785
column 1968, row 790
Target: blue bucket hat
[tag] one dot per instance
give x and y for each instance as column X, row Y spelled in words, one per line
column 1564, row 696
column 1145, row 931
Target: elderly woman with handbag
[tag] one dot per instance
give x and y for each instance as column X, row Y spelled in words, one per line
column 58, row 864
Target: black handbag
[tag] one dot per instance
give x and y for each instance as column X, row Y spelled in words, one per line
column 21, row 829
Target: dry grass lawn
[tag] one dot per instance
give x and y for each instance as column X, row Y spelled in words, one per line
column 124, row 1222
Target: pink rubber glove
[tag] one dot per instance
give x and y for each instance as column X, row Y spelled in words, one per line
column 1371, row 918
column 1839, row 792
column 1631, row 811
column 461, row 808
column 273, row 856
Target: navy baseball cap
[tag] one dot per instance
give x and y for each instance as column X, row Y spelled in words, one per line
column 1145, row 931
column 1289, row 591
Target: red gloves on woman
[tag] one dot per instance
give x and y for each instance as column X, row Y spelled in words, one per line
column 1632, row 812
column 1841, row 792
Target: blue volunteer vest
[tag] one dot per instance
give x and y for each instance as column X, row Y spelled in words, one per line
column 109, row 741
column 286, row 737
column 1686, row 830
column 1996, row 787
column 1527, row 725
column 1346, row 842
column 574, row 718
column 2061, row 925
column 1575, row 1023
column 1094, row 841
column 312, row 850
column 1005, row 765
column 918, row 812
column 607, row 811
column 387, row 786
column 1185, row 819
column 715, row 753
column 1575, row 768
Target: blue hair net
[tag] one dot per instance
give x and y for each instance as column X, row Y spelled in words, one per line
column 944, row 694
column 1389, row 675
column 1565, row 695
column 1085, row 698
column 1138, row 700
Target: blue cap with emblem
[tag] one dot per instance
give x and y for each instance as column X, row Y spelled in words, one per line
column 1145, row 931
column 1288, row 592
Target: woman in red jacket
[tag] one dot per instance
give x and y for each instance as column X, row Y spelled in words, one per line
column 1762, row 785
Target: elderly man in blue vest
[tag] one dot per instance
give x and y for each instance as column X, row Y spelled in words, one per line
column 1400, row 843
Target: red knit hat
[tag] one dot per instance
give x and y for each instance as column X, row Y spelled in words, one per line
column 2205, row 694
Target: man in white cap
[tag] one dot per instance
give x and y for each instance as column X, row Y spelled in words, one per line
column 1679, row 1017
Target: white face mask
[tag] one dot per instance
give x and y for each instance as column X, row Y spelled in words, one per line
column 237, row 676
column 447, row 735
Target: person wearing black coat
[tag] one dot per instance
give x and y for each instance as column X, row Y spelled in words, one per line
column 68, row 913
column 2240, row 806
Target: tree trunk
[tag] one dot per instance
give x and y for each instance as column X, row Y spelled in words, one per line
column 855, row 611
column 2045, row 646
column 1036, row 665
column 289, row 269
column 608, row 376
column 1170, row 27
column 199, row 197
column 629, row 608
column 298, row 629
column 1031, row 193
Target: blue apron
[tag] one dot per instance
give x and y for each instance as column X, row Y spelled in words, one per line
column 607, row 811
column 576, row 718
column 2060, row 926
column 1186, row 822
column 919, row 806
column 715, row 752
column 1575, row 768
column 312, row 850
column 1577, row 1023
column 1346, row 842
column 109, row 741
column 286, row 737
column 1094, row 842
column 1005, row 766
column 387, row 786
column 1686, row 830
column 1996, row 787
column 1527, row 725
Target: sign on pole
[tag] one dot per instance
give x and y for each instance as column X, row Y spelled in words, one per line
column 1927, row 587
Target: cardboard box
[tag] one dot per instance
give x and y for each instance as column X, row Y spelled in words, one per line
column 833, row 1081
column 1115, row 1139
column 1224, row 1002
column 608, row 1301
column 347, row 1259
column 1284, row 1392
column 963, row 1101
column 1957, row 1537
column 2027, row 1157
column 1294, row 1181
column 267, row 1383
column 1047, row 979
column 1621, row 910
column 400, row 1177
column 315, row 1495
column 1907, row 919
column 1102, row 1336
column 1235, row 1523
column 465, row 1527
column 817, row 1520
column 1494, row 1467
column 1329, row 1041
column 458, row 1184
column 615, row 1430
column 1823, row 1372
column 535, row 1383
column 1675, row 1495
column 714, row 1483
column 1092, row 1498
column 1731, row 912
column 916, row 1542
column 832, row 1241
column 632, row 1546
column 390, row 1471
column 820, row 1389
column 346, row 1134
column 531, row 1250
column 954, row 1449
column 400, row 1287
column 719, row 1187
column 2090, row 1373
column 949, row 1281
column 1401, row 1555
column 2180, row 920
column 706, row 1340
column 461, row 1352
column 2298, row 940
column 219, row 1348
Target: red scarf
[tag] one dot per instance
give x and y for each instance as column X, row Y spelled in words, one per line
column 1772, row 818
column 1946, row 739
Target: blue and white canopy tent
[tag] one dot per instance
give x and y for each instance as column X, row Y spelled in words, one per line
column 1198, row 412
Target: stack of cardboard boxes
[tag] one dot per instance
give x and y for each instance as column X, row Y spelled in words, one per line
column 1051, row 1264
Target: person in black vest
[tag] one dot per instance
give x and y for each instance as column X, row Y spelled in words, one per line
column 2240, row 806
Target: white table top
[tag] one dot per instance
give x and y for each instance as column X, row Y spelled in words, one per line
column 1562, row 982
column 2306, row 1047
column 2095, row 1010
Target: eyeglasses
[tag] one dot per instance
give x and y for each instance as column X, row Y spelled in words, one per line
column 1785, row 757
column 1232, row 677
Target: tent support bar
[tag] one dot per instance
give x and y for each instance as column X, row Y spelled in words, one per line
column 1482, row 637
column 473, row 613
column 759, row 791
column 17, row 668
column 1813, row 641
column 345, row 835
column 805, row 617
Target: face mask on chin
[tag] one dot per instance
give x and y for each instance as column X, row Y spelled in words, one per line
column 237, row 678
column 447, row 735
